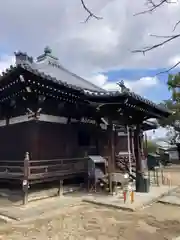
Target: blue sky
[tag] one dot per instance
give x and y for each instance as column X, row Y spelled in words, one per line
column 157, row 93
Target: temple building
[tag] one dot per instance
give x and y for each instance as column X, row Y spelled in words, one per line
column 57, row 119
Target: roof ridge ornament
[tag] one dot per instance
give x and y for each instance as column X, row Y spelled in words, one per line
column 47, row 50
column 22, row 57
column 47, row 54
column 122, row 86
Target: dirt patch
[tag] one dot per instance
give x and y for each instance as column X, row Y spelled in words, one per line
column 92, row 222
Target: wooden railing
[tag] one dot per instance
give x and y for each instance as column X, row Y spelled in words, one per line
column 41, row 169
column 56, row 168
column 28, row 172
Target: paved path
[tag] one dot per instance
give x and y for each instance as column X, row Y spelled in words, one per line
column 173, row 198
column 53, row 206
column 140, row 199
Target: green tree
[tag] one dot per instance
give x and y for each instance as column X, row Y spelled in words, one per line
column 173, row 104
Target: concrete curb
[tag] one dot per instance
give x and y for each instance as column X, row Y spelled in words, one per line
column 169, row 203
column 8, row 217
column 156, row 199
column 128, row 208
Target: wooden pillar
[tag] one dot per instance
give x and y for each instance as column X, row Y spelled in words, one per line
column 111, row 154
column 143, row 152
column 137, row 152
column 129, row 149
column 25, row 183
column 141, row 141
column 145, row 145
column 132, row 143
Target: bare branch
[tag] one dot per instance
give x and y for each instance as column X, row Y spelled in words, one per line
column 168, row 70
column 178, row 22
column 153, row 6
column 161, row 36
column 147, row 49
column 90, row 13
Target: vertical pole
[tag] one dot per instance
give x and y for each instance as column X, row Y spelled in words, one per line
column 25, row 184
column 138, row 158
column 86, row 176
column 157, row 176
column 162, row 176
column 154, row 172
column 110, row 174
column 132, row 146
column 146, row 147
column 60, row 190
column 129, row 150
column 124, row 196
column 132, row 196
column 111, row 158
column 132, row 139
column 149, row 176
column 143, row 155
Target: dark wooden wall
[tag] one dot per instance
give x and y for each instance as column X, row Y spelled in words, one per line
column 45, row 140
column 61, row 140
column 15, row 141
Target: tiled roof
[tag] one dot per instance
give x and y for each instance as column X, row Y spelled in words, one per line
column 48, row 77
column 125, row 94
column 50, row 65
column 59, row 72
column 30, row 68
column 63, row 80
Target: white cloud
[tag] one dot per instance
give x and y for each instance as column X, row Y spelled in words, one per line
column 93, row 47
column 143, row 84
column 139, row 86
column 99, row 79
column 173, row 60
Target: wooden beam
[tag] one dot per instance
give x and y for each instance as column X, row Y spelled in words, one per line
column 111, row 154
column 137, row 152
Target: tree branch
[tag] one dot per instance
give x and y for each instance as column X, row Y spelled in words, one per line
column 177, row 23
column 90, row 13
column 169, row 69
column 147, row 49
column 153, row 6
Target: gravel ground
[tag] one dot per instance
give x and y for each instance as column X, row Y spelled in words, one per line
column 88, row 222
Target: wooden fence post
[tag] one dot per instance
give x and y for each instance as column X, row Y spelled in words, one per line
column 162, row 176
column 60, row 189
column 25, row 183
